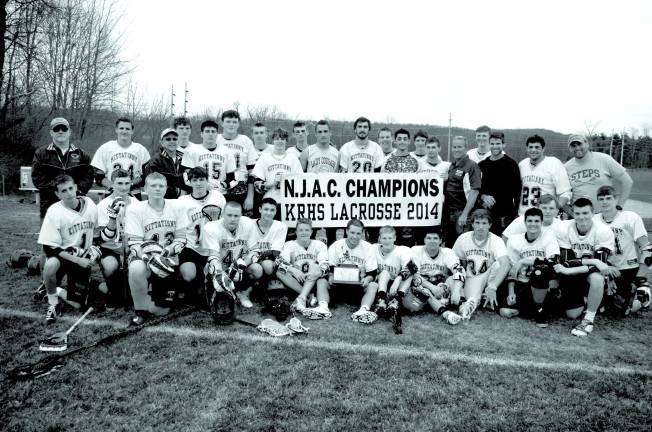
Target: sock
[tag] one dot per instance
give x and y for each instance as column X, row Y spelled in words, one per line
column 323, row 304
column 62, row 293
column 364, row 308
column 589, row 316
column 53, row 299
column 382, row 295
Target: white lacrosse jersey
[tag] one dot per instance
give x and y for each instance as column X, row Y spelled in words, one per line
column 627, row 226
column 63, row 227
column 441, row 169
column 111, row 156
column 476, row 156
column 584, row 246
column 518, row 247
column 197, row 217
column 588, row 174
column 354, row 158
column 418, row 157
column 547, row 177
column 295, row 151
column 217, row 162
column 274, row 167
column 362, row 255
column 241, row 146
column 517, row 226
column 394, row 261
column 479, row 257
column 143, row 223
column 320, row 160
column 103, row 220
column 301, row 257
column 273, row 239
column 254, row 154
column 227, row 245
column 429, row 267
column 183, row 149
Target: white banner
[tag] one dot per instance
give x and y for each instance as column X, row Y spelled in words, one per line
column 377, row 199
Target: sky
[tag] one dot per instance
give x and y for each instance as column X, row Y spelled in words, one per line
column 559, row 65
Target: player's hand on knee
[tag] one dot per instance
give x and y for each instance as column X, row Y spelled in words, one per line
column 84, row 263
column 490, row 298
column 611, row 271
column 511, row 299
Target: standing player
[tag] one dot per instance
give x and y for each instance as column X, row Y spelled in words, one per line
column 484, row 256
column 354, row 252
column 231, row 242
column 201, row 206
column 542, row 175
column 269, row 236
column 303, row 263
column 121, row 153
column 168, row 163
column 482, row 150
column 241, row 147
column 66, row 236
column 500, row 192
column 300, row 132
column 386, row 142
column 361, row 155
column 216, row 159
column 529, row 277
column 391, row 259
column 273, row 166
column 111, row 225
column 588, row 171
column 259, row 134
column 154, row 227
column 630, row 241
column 432, row 163
column 548, row 205
column 585, row 248
column 184, row 128
column 420, row 139
column 321, row 157
column 401, row 161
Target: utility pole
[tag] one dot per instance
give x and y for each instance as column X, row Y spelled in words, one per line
column 611, row 144
column 185, row 100
column 450, row 122
column 172, row 107
column 622, row 146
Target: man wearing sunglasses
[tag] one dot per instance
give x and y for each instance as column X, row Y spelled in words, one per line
column 168, row 163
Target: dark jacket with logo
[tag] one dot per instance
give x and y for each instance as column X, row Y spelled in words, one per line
column 49, row 162
column 171, row 169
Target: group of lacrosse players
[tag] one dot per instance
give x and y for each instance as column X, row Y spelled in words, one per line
column 208, row 228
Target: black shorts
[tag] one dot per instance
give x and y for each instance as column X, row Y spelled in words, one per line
column 162, row 291
column 191, row 255
column 106, row 252
column 621, row 300
column 573, row 290
column 346, row 293
column 78, row 279
column 524, row 301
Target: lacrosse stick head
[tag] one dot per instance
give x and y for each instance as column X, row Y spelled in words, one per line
column 211, row 212
column 222, row 307
column 56, row 343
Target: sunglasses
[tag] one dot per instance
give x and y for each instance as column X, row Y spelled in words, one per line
column 170, row 139
column 60, row 128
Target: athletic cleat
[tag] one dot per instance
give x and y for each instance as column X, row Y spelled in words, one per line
column 243, row 298
column 54, row 312
column 317, row 313
column 140, row 318
column 583, row 328
column 312, row 301
column 541, row 318
column 298, row 305
column 467, row 308
column 364, row 316
column 421, row 292
column 451, row 317
column 381, row 307
column 40, row 293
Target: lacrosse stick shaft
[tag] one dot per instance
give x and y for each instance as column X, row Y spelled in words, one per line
column 76, row 323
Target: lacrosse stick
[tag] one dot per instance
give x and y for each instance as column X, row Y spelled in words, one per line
column 59, row 341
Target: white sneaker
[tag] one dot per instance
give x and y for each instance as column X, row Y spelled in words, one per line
column 584, row 328
column 467, row 308
column 298, row 305
column 364, row 316
column 316, row 313
column 451, row 317
column 243, row 298
column 312, row 301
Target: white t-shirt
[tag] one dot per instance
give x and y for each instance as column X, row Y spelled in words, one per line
column 354, row 158
column 111, row 156
column 547, row 177
column 254, row 155
column 476, row 157
column 479, row 256
column 183, row 149
column 63, row 227
column 295, row 151
column 271, row 166
column 362, row 255
column 441, row 169
column 217, row 162
column 599, row 236
column 627, row 226
column 199, row 212
column 394, row 261
column 588, row 174
column 320, row 161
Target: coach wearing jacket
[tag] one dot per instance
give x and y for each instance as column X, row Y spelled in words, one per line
column 60, row 157
column 168, row 163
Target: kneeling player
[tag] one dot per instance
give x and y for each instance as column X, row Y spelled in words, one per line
column 484, row 256
column 110, row 221
column 631, row 241
column 302, row 265
column 531, row 255
column 353, row 266
column 66, row 236
column 585, row 246
column 390, row 259
column 156, row 231
column 437, row 274
column 201, row 206
column 270, row 237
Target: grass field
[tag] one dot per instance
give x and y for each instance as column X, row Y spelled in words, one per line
column 486, row 374
column 642, row 189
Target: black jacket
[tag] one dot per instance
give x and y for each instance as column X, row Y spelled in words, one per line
column 171, row 169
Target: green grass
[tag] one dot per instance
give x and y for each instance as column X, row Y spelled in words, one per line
column 642, row 189
column 486, row 374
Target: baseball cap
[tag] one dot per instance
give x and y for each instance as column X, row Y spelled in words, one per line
column 577, row 138
column 59, row 121
column 168, row 131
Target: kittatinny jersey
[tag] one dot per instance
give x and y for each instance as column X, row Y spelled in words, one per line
column 394, row 261
column 197, row 216
column 111, row 156
column 518, row 227
column 227, row 245
column 301, row 257
column 273, row 239
column 320, row 161
column 547, row 177
column 273, row 167
column 518, row 247
column 354, row 158
column 627, row 226
column 441, row 169
column 599, row 236
column 241, row 146
column 217, row 162
column 254, row 154
column 142, row 223
column 103, row 219
column 429, row 267
column 362, row 255
column 63, row 227
column 479, row 257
